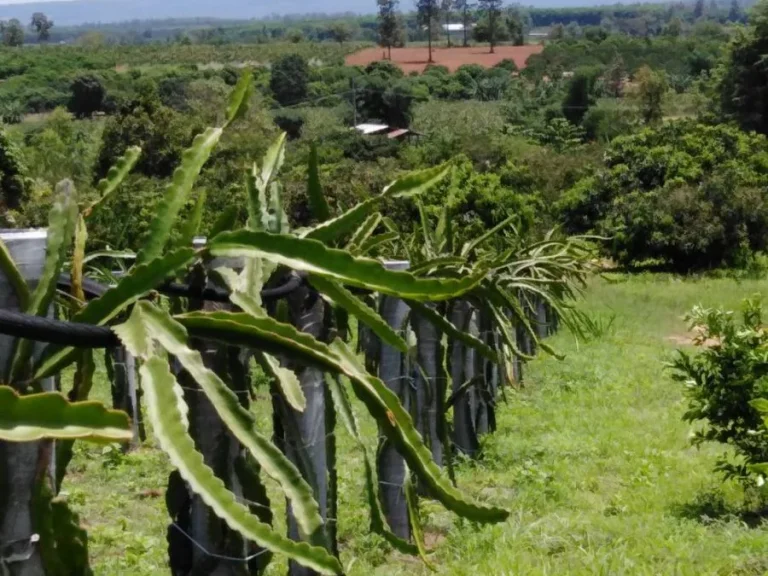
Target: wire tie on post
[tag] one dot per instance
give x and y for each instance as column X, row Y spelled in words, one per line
column 217, row 556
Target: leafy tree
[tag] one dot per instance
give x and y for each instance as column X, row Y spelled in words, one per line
column 608, row 120
column 735, row 13
column 651, row 88
column 482, row 31
column 516, row 27
column 492, row 10
column 614, row 77
column 42, row 25
column 295, row 35
column 12, row 32
column 465, row 7
column 446, row 7
column 743, row 83
column 426, row 15
column 698, row 9
column 557, row 32
column 291, row 122
column 580, row 94
column 573, row 31
column 674, row 28
column 684, row 194
column 12, row 172
column 161, row 132
column 386, row 96
column 340, row 32
column 388, row 24
column 87, row 97
column 289, row 81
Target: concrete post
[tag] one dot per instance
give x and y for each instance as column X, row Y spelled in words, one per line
column 23, row 466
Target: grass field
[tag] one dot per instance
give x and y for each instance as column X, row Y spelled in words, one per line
column 591, row 457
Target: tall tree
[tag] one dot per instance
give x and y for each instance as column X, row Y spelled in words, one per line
column 12, row 32
column 651, row 88
column 516, row 26
column 735, row 14
column 614, row 77
column 698, row 9
column 427, row 12
column 743, row 86
column 340, row 31
column 289, row 80
column 447, row 8
column 492, row 9
column 465, row 7
column 42, row 25
column 388, row 24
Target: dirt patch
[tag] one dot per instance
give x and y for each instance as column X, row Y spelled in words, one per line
column 693, row 338
column 415, row 59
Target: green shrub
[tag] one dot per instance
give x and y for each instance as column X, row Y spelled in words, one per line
column 87, row 96
column 688, row 195
column 728, row 373
column 289, row 80
column 608, row 120
column 290, row 122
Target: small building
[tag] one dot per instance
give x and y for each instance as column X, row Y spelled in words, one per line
column 384, row 130
column 369, row 129
column 455, row 27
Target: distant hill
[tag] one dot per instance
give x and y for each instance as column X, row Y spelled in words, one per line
column 74, row 12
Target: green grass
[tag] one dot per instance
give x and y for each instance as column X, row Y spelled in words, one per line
column 591, row 457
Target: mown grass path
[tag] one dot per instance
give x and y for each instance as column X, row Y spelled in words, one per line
column 592, row 457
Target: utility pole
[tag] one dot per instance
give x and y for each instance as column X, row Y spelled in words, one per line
column 354, row 101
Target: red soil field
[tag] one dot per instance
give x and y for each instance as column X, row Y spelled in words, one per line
column 415, row 59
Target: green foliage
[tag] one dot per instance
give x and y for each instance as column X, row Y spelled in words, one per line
column 651, row 88
column 50, row 415
column 12, row 33
column 608, row 120
column 580, row 94
column 723, row 381
column 289, row 79
column 742, row 83
column 671, row 55
column 88, row 95
column 686, row 194
column 12, row 172
column 161, row 133
column 291, row 122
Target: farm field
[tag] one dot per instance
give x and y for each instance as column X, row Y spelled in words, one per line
column 416, row 59
column 592, row 457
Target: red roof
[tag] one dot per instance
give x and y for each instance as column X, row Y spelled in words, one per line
column 398, row 133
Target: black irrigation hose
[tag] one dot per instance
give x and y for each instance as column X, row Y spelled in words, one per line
column 94, row 289
column 20, row 325
column 51, row 331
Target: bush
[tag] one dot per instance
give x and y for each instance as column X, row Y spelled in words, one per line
column 721, row 381
column 507, row 64
column 688, row 195
column 608, row 120
column 88, row 94
column 290, row 122
column 289, row 80
column 161, row 132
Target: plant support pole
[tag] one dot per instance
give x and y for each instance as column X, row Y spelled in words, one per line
column 463, row 371
column 23, row 466
column 393, row 372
